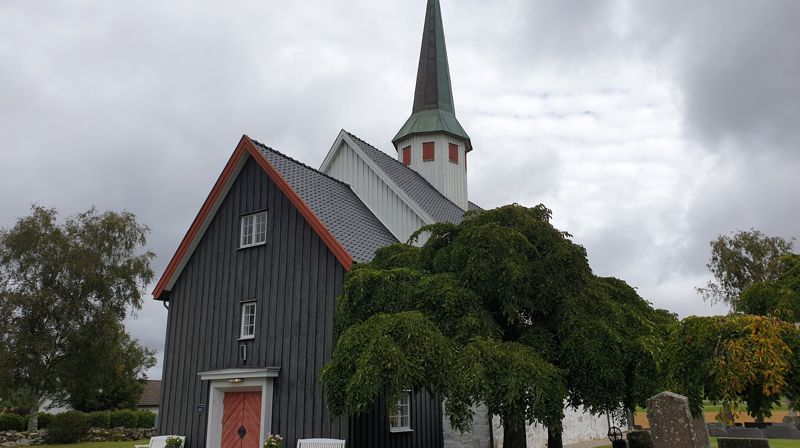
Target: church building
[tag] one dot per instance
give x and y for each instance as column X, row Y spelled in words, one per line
column 251, row 289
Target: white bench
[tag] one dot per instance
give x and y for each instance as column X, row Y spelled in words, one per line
column 158, row 442
column 320, row 443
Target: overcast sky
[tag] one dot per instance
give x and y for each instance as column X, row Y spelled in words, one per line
column 648, row 128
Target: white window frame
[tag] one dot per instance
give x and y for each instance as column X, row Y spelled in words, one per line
column 247, row 324
column 250, row 228
column 401, row 414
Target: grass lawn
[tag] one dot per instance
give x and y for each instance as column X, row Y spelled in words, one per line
column 127, row 444
column 773, row 443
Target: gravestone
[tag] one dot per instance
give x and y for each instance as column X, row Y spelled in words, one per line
column 672, row 425
column 745, row 433
column 781, row 431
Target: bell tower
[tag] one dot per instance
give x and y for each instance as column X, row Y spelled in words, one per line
column 432, row 141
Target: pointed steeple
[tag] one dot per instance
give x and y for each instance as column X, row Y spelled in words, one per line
column 434, row 110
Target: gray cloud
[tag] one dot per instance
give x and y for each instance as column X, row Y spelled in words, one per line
column 649, row 128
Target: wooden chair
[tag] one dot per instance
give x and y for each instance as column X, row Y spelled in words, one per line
column 158, row 442
column 320, row 443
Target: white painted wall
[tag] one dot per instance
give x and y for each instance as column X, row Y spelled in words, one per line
column 447, row 177
column 349, row 167
column 579, row 426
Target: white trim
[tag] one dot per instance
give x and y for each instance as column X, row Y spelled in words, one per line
column 247, row 380
column 228, row 374
column 344, row 136
column 255, row 216
column 246, row 324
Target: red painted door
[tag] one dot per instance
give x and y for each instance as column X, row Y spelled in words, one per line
column 241, row 420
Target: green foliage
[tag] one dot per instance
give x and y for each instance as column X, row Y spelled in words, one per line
column 736, row 358
column 739, row 260
column 55, row 280
column 118, row 364
column 99, row 419
column 174, row 442
column 126, row 418
column 11, row 422
column 67, row 427
column 43, row 419
column 779, row 297
column 145, row 419
column 501, row 309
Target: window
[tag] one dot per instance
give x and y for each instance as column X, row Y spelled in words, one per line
column 253, row 230
column 407, row 156
column 453, row 153
column 248, row 321
column 428, row 151
column 400, row 417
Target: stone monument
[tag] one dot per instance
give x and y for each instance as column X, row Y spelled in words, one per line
column 672, row 425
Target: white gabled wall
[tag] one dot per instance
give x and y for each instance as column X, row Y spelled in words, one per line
column 447, row 177
column 349, row 167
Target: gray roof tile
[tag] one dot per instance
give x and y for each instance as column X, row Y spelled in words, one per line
column 416, row 187
column 335, row 204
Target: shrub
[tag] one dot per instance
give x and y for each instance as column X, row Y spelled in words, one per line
column 145, row 419
column 67, row 427
column 43, row 420
column 12, row 422
column 726, row 442
column 640, row 439
column 125, row 418
column 99, row 419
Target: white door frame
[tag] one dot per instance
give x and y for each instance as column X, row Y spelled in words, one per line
column 238, row 380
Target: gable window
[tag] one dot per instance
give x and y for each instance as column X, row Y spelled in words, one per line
column 400, row 417
column 253, row 229
column 248, row 328
column 428, row 151
column 407, row 156
column 453, row 153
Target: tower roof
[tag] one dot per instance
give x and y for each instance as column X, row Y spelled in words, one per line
column 433, row 110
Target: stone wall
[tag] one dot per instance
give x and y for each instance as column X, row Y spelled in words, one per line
column 479, row 437
column 25, row 438
column 579, row 426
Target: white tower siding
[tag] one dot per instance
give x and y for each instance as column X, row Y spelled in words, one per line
column 448, row 177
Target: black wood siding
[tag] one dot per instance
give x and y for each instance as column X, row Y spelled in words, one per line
column 372, row 429
column 295, row 280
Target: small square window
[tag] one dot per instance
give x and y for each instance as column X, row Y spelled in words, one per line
column 428, row 151
column 407, row 156
column 453, row 153
column 248, row 329
column 400, row 417
column 253, row 229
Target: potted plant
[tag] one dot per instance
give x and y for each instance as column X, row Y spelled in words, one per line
column 173, row 442
column 273, row 441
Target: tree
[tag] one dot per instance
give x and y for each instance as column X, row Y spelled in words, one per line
column 118, row 368
column 730, row 359
column 55, row 280
column 779, row 297
column 501, row 310
column 739, row 260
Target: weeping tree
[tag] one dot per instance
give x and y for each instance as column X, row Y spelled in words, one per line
column 500, row 310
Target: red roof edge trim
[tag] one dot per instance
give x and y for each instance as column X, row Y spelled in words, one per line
column 325, row 235
column 247, row 146
column 199, row 219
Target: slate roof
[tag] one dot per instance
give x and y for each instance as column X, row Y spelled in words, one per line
column 416, row 187
column 151, row 395
column 335, row 204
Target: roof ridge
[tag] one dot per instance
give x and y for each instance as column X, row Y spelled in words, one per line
column 404, row 167
column 297, row 161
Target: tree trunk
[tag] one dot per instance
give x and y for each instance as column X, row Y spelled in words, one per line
column 514, row 435
column 554, row 435
column 33, row 421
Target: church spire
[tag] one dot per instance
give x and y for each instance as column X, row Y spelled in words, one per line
column 434, row 110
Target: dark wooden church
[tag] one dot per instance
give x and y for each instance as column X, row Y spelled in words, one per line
column 252, row 286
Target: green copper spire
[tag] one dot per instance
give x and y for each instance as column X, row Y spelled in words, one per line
column 433, row 109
